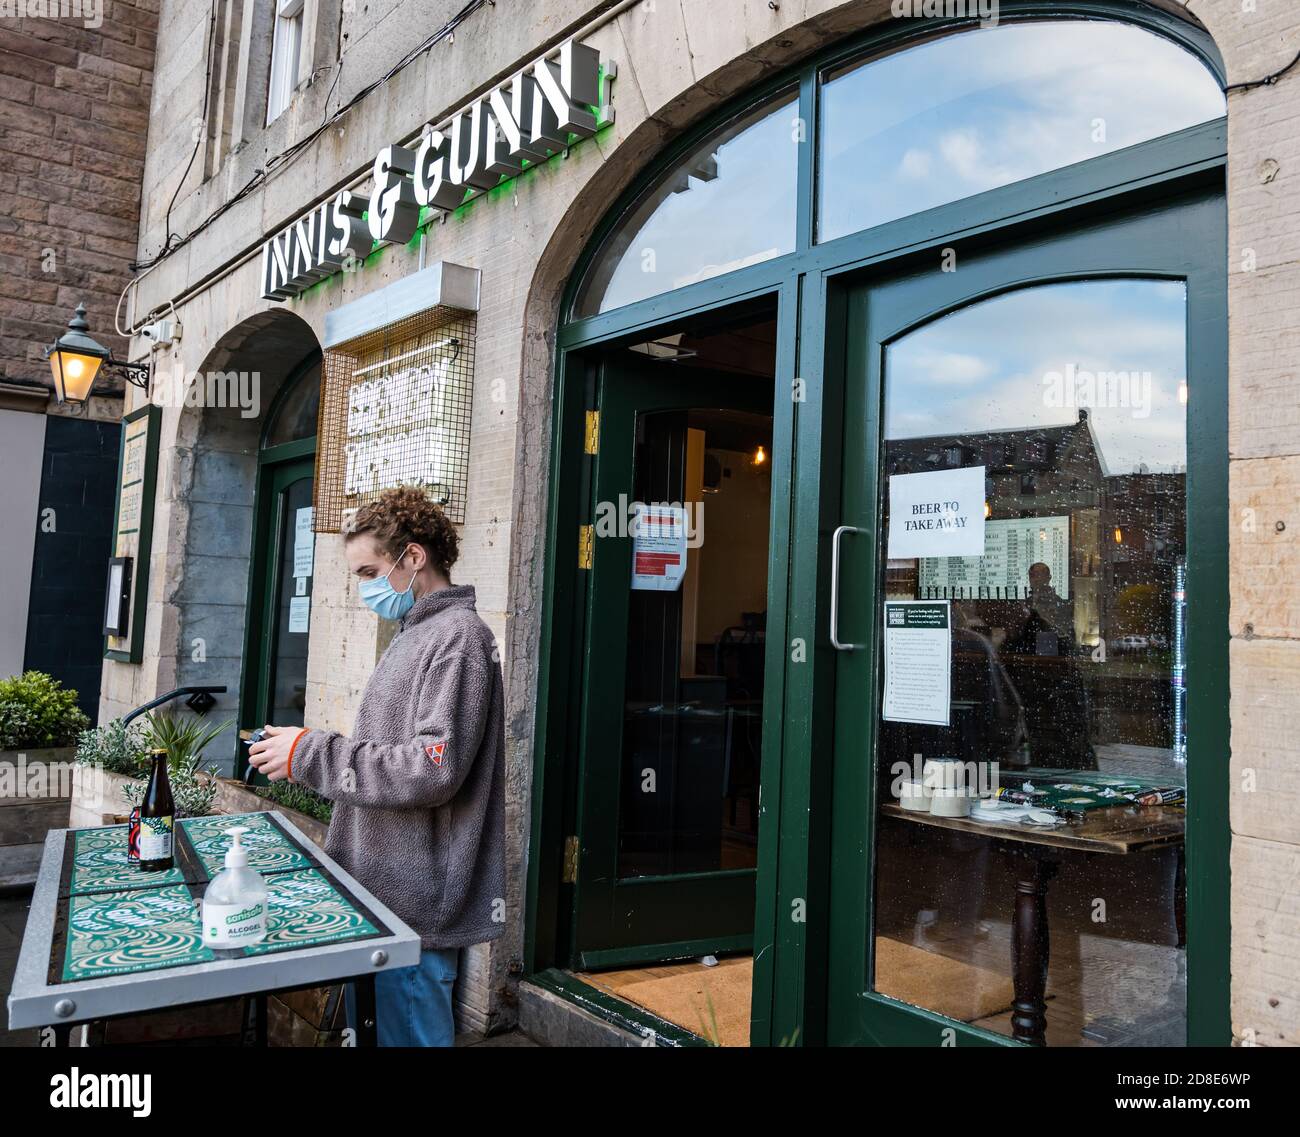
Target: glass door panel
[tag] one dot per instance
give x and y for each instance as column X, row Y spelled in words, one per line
column 1064, row 732
column 293, row 579
column 1014, row 712
column 676, row 613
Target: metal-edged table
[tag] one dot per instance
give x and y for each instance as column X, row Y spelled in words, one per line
column 104, row 939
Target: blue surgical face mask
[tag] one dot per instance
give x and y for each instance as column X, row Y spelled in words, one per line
column 383, row 599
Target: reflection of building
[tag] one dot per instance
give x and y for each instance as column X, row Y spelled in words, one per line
column 1145, row 526
column 1126, row 531
column 1052, row 471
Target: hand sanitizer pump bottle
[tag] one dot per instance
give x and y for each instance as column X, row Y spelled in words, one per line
column 234, row 905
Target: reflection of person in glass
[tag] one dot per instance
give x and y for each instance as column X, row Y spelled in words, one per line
column 1039, row 655
column 1056, row 612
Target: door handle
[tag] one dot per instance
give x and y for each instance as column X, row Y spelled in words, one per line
column 835, row 589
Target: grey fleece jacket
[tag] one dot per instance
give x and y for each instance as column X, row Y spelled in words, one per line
column 419, row 789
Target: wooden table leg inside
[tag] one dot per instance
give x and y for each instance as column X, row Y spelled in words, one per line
column 1030, row 947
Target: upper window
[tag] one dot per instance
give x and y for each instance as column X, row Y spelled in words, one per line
column 294, row 416
column 985, row 108
column 728, row 204
column 286, row 47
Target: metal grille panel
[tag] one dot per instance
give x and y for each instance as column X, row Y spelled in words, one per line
column 395, row 410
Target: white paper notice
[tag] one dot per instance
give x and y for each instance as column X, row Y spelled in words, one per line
column 918, row 661
column 658, row 547
column 304, row 542
column 299, row 613
column 937, row 514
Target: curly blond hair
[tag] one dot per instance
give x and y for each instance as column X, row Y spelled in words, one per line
column 406, row 516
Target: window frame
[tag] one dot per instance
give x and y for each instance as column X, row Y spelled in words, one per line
column 289, row 21
column 893, row 37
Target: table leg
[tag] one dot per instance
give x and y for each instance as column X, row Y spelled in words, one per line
column 1030, row 948
column 365, row 1002
column 1180, row 896
column 62, row 1034
column 254, row 1026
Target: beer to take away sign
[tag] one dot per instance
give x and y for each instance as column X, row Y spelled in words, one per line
column 538, row 112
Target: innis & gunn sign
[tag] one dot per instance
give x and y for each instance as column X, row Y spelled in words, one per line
column 536, row 113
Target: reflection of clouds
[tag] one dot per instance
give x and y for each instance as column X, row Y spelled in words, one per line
column 981, row 368
column 952, row 366
column 744, row 215
column 986, row 108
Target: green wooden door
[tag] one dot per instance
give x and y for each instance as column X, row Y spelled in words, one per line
column 668, row 751
column 938, row 937
column 280, row 588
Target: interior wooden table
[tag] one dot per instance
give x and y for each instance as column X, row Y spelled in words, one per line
column 1036, row 853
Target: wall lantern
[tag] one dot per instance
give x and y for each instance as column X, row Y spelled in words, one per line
column 76, row 360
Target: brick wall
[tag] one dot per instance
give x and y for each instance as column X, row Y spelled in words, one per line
column 74, row 113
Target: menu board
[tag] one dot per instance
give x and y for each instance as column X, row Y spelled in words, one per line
column 1002, row 573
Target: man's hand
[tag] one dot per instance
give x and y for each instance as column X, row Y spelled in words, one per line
column 271, row 755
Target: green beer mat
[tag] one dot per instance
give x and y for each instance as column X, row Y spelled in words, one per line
column 306, row 910
column 112, row 933
column 270, row 849
column 99, row 864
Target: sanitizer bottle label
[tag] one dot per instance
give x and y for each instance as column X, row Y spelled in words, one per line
column 229, row 925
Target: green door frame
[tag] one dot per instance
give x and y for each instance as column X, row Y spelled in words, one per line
column 792, row 935
column 637, row 919
column 1175, row 242
column 277, row 466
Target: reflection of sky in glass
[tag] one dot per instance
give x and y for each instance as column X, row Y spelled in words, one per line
column 985, row 108
column 983, row 367
column 743, row 216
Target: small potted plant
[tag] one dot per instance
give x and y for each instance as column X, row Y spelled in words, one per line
column 39, row 724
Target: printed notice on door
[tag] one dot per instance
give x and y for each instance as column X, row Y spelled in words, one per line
column 937, row 514
column 918, row 661
column 658, row 547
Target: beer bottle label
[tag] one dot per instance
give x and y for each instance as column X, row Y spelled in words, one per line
column 155, row 838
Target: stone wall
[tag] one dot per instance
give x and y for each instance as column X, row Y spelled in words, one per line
column 74, row 113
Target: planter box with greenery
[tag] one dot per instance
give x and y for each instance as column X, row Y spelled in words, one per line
column 39, row 722
column 113, row 763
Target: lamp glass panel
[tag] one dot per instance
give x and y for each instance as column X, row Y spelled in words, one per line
column 74, row 375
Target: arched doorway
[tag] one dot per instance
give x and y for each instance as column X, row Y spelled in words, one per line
column 877, row 252
column 270, row 358
column 281, row 565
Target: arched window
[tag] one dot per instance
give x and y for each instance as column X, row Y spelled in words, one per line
column 970, row 112
column 728, row 204
column 294, row 413
column 898, row 134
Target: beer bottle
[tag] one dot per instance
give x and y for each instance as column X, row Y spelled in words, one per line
column 157, row 818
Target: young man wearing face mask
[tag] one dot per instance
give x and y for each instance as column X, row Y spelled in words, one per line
column 419, row 787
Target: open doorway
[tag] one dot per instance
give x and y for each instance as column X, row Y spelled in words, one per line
column 671, row 719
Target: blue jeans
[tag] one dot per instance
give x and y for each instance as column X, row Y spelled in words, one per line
column 413, row 1004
